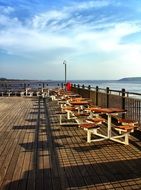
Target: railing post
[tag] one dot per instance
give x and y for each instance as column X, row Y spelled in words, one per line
column 24, row 86
column 123, row 101
column 107, row 93
column 75, row 89
column 78, row 89
column 83, row 86
column 89, row 88
column 96, row 96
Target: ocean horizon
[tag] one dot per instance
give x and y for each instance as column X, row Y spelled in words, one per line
column 130, row 86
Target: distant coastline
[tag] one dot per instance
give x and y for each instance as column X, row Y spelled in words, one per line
column 21, row 80
column 126, row 79
column 5, row 79
column 130, row 79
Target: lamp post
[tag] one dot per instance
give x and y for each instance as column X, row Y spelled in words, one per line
column 65, row 63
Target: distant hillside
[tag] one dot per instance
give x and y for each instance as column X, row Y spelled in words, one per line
column 3, row 79
column 131, row 79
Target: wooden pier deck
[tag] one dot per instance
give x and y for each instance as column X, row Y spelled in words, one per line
column 37, row 153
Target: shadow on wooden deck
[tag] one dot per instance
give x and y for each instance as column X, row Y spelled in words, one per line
column 99, row 173
column 70, row 172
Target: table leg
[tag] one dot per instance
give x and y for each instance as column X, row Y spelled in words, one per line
column 68, row 114
column 109, row 125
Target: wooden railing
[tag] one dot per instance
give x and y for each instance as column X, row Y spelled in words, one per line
column 113, row 98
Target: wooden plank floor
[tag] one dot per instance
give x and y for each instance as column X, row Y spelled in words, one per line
column 37, row 153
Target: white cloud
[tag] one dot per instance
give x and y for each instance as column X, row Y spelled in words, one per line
column 81, row 6
column 81, row 38
column 42, row 20
column 125, row 28
column 7, row 22
column 6, row 10
column 67, row 33
column 67, row 16
column 23, row 40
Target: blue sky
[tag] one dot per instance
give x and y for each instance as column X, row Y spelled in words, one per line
column 99, row 39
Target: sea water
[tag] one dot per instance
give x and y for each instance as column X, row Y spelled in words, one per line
column 129, row 86
column 132, row 86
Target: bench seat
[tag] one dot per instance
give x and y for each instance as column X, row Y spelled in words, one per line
column 92, row 128
column 127, row 121
column 89, row 126
column 124, row 131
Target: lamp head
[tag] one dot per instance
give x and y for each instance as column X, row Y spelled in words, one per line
column 64, row 62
